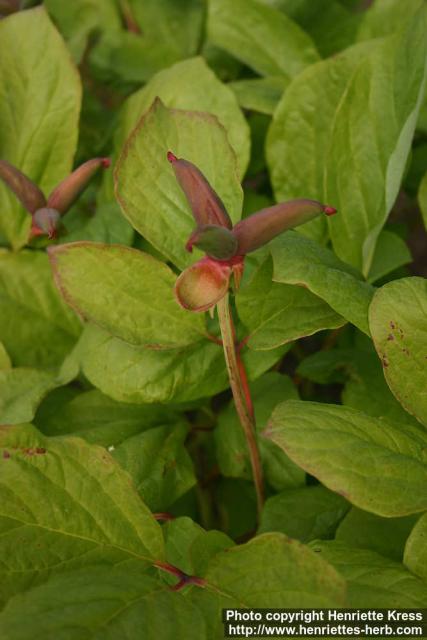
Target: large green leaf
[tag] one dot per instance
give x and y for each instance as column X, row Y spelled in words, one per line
column 21, row 391
column 386, row 536
column 367, row 389
column 77, row 20
column 147, row 189
column 127, row 292
column 391, row 252
column 231, row 446
column 301, row 261
column 372, row 580
column 189, row 547
column 159, row 464
column 377, row 465
column 277, row 313
column 260, row 36
column 330, row 23
column 39, row 109
column 5, row 362
column 190, row 85
column 259, row 94
column 174, row 27
column 136, row 375
column 66, row 504
column 422, row 198
column 36, row 326
column 398, row 323
column 305, row 513
column 386, row 16
column 101, row 603
column 271, row 570
column 415, row 556
column 97, row 418
column 297, row 141
column 371, row 139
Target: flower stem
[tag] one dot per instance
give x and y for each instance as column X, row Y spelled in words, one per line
column 240, row 389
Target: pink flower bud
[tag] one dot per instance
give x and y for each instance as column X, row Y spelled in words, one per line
column 206, row 206
column 262, row 226
column 67, row 192
column 25, row 190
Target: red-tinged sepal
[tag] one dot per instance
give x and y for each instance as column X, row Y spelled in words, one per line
column 238, row 265
column 46, row 222
column 217, row 242
column 205, row 204
column 24, row 189
column 67, row 192
column 202, row 285
column 262, row 226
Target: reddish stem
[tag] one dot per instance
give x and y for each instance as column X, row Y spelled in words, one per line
column 184, row 578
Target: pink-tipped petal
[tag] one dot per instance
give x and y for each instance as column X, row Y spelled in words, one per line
column 205, row 204
column 202, row 285
column 67, row 192
column 24, row 189
column 330, row 211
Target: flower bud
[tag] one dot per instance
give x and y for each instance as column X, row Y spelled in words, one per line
column 25, row 190
column 202, row 285
column 206, row 205
column 67, row 192
column 261, row 227
column 216, row 242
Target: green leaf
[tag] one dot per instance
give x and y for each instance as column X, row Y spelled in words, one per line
column 377, row 465
column 159, row 464
column 384, row 17
column 190, row 85
column 136, row 375
column 189, row 547
column 107, row 224
column 78, row 20
column 259, row 94
column 39, row 111
column 252, row 575
column 415, row 556
column 231, row 446
column 277, row 313
column 301, row 261
column 36, row 326
column 367, row 389
column 261, row 37
column 101, row 603
column 164, row 23
column 398, row 323
column 5, row 362
column 391, row 252
column 146, row 181
column 422, row 198
column 97, row 418
column 297, row 142
column 373, row 581
column 21, row 391
column 92, row 514
column 372, row 131
column 386, row 536
column 126, row 292
column 306, row 513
